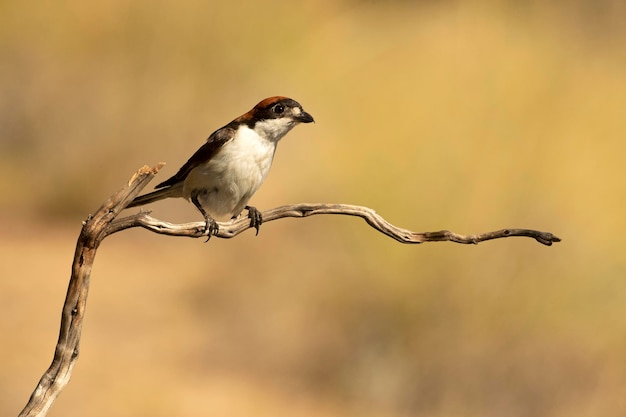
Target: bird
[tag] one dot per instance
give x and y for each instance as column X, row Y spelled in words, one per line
column 225, row 172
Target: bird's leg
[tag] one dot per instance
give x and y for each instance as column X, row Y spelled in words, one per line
column 255, row 218
column 210, row 225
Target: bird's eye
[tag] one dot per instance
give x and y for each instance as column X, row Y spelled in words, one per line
column 279, row 108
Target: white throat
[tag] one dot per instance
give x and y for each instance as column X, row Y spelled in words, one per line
column 274, row 129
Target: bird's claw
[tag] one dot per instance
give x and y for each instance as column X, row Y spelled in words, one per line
column 211, row 228
column 256, row 219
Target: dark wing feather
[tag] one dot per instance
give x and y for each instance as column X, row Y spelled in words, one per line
column 207, row 151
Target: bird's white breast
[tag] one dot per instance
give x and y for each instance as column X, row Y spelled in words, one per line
column 233, row 175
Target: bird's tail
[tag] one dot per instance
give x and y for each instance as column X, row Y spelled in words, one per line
column 171, row 191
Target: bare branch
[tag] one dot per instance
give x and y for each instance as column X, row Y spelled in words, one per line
column 58, row 374
column 235, row 227
column 103, row 223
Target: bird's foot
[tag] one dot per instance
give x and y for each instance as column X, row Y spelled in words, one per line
column 256, row 219
column 211, row 228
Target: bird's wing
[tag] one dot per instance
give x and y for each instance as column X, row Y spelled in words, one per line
column 206, row 152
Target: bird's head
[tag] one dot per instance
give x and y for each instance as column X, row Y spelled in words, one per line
column 275, row 116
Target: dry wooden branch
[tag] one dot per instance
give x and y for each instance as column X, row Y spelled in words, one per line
column 235, row 227
column 104, row 223
column 91, row 235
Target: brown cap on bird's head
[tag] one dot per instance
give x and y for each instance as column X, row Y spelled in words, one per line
column 274, row 108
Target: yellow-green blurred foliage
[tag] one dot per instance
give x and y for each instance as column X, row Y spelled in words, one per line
column 469, row 116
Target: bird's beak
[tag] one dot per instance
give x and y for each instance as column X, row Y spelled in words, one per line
column 304, row 117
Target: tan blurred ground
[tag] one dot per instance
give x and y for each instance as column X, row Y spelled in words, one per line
column 470, row 116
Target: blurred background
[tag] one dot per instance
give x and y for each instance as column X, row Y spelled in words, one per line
column 462, row 115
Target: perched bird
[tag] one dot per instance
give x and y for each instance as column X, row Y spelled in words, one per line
column 221, row 177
